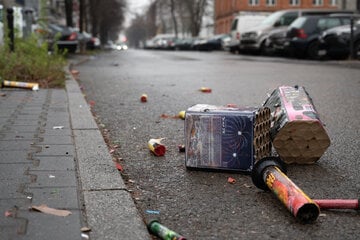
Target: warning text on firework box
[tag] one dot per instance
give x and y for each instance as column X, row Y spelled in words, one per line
column 219, row 138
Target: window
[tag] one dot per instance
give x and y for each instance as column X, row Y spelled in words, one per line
column 270, row 2
column 318, row 2
column 333, row 2
column 294, row 2
column 253, row 2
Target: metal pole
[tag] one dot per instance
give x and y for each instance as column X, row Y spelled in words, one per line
column 352, row 55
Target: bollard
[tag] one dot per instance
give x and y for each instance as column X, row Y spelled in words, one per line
column 10, row 20
column 163, row 232
column 268, row 174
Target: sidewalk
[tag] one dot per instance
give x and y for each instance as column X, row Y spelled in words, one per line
column 52, row 153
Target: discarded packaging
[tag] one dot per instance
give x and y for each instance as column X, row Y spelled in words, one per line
column 163, row 232
column 268, row 174
column 143, row 98
column 297, row 133
column 156, row 147
column 226, row 138
column 28, row 85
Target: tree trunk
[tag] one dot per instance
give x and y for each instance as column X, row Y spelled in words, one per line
column 68, row 12
column 172, row 7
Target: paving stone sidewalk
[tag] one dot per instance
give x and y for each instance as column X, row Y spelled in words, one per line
column 52, row 153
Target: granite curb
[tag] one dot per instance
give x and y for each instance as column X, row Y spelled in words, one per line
column 109, row 208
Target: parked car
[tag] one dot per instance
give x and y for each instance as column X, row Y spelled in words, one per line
column 335, row 42
column 64, row 37
column 254, row 39
column 241, row 23
column 275, row 42
column 90, row 42
column 161, row 41
column 214, row 43
column 302, row 35
column 184, row 44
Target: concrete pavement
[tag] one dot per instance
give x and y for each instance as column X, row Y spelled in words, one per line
column 52, row 153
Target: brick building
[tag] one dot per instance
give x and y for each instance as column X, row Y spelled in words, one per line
column 225, row 10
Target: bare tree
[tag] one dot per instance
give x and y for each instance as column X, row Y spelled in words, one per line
column 196, row 9
column 173, row 16
column 68, row 12
column 107, row 18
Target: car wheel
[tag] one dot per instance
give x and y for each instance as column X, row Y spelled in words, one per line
column 313, row 51
column 357, row 50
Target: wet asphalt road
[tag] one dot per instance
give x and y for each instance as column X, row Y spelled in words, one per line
column 203, row 205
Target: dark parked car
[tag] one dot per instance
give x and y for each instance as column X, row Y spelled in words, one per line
column 184, row 44
column 214, row 43
column 335, row 42
column 64, row 37
column 302, row 35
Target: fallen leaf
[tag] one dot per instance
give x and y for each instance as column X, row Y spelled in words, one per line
column 45, row 209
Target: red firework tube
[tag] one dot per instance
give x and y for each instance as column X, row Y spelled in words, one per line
column 268, row 175
column 338, row 203
column 156, row 147
column 143, row 98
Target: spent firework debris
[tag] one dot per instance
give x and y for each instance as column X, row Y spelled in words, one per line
column 205, row 90
column 143, row 98
column 268, row 174
column 181, row 114
column 231, row 180
column 27, row 85
column 156, row 147
column 181, row 148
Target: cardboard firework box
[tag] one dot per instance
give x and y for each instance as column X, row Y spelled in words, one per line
column 226, row 138
column 297, row 133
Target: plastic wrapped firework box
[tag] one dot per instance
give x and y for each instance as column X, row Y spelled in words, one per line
column 226, row 138
column 297, row 133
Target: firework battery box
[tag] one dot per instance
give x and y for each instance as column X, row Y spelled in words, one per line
column 297, row 133
column 226, row 138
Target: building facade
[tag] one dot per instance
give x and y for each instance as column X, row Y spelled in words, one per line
column 225, row 10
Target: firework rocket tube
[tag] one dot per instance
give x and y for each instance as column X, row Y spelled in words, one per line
column 163, row 232
column 156, row 147
column 338, row 203
column 268, row 174
column 33, row 86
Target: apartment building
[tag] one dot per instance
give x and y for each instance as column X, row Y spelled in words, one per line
column 225, row 10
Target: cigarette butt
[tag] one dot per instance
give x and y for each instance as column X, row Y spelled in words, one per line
column 143, row 98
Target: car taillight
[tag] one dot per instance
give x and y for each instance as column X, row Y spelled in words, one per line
column 300, row 33
column 238, row 35
column 72, row 36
